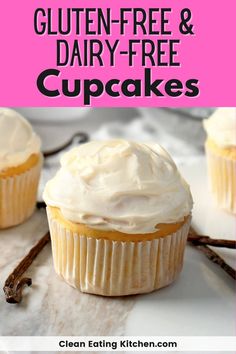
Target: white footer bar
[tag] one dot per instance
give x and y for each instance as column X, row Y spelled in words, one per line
column 124, row 344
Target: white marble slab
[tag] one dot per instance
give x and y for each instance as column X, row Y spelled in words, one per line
column 200, row 302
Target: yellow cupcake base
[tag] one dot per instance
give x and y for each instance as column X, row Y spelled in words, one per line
column 222, row 176
column 18, row 193
column 115, row 268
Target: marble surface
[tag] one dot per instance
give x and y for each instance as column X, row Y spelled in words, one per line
column 164, row 125
column 200, row 302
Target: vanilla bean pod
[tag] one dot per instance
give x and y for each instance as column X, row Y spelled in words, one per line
column 206, row 240
column 211, row 255
column 83, row 138
column 15, row 283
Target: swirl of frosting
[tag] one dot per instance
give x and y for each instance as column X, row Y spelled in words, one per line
column 119, row 185
column 17, row 139
column 221, row 127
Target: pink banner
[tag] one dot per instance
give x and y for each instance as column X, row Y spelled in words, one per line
column 117, row 53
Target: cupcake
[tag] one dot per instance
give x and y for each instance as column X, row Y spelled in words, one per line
column 20, row 165
column 119, row 215
column 221, row 156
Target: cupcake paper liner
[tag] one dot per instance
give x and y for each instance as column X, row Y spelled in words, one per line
column 222, row 179
column 115, row 268
column 18, row 196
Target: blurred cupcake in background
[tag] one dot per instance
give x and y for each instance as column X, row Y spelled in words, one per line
column 119, row 214
column 221, row 156
column 20, row 165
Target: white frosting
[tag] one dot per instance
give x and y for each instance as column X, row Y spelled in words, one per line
column 119, row 185
column 221, row 127
column 17, row 139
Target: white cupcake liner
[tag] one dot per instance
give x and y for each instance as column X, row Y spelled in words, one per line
column 115, row 268
column 222, row 179
column 18, row 195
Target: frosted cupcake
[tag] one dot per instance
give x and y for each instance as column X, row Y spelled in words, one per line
column 20, row 164
column 119, row 215
column 221, row 155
